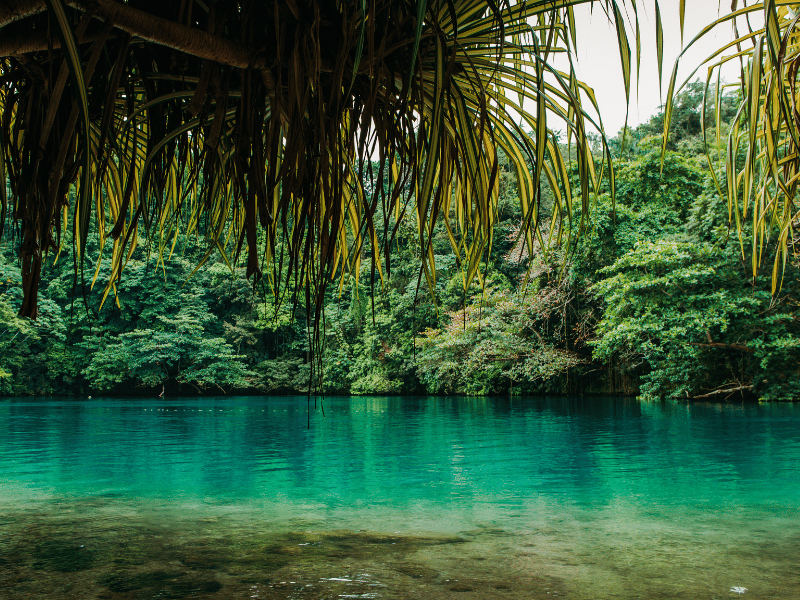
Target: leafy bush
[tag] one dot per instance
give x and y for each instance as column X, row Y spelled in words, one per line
column 685, row 313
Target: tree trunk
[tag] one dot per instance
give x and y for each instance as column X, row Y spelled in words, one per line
column 146, row 26
column 173, row 35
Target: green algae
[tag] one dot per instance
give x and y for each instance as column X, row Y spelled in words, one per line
column 64, row 553
column 110, row 552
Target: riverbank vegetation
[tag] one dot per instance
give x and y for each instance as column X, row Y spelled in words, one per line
column 655, row 297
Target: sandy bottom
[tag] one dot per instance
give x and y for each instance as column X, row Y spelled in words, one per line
column 110, row 548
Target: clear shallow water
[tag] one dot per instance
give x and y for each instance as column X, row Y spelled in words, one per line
column 398, row 498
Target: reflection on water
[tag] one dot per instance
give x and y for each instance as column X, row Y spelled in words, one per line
column 398, row 498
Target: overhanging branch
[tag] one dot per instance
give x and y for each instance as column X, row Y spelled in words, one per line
column 144, row 25
column 19, row 42
column 173, row 35
column 14, row 10
column 721, row 346
column 733, row 390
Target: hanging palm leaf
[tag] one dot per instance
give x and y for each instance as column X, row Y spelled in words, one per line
column 294, row 134
column 762, row 166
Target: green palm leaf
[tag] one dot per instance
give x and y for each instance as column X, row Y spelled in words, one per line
column 761, row 189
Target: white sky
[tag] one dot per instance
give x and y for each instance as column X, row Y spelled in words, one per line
column 599, row 63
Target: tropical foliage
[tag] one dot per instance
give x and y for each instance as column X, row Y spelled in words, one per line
column 683, row 309
column 407, row 152
column 292, row 136
column 761, row 166
column 654, row 299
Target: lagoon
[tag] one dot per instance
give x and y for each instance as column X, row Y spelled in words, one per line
column 265, row 497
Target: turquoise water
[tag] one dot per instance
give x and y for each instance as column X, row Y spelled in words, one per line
column 398, row 498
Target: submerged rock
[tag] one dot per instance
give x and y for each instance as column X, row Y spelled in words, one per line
column 62, row 556
column 160, row 584
column 461, row 587
column 738, row 590
column 128, row 582
column 416, row 571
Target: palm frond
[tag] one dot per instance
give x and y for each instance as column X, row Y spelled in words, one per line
column 762, row 166
column 292, row 136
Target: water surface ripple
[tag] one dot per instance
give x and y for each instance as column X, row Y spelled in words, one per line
column 397, row 498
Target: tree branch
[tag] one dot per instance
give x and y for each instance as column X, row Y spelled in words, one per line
column 14, row 10
column 173, row 35
column 146, row 26
column 17, row 42
column 721, row 346
column 741, row 388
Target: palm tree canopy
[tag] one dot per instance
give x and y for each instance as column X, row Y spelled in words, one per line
column 292, row 134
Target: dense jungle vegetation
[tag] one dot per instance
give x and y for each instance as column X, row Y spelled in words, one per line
column 655, row 298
